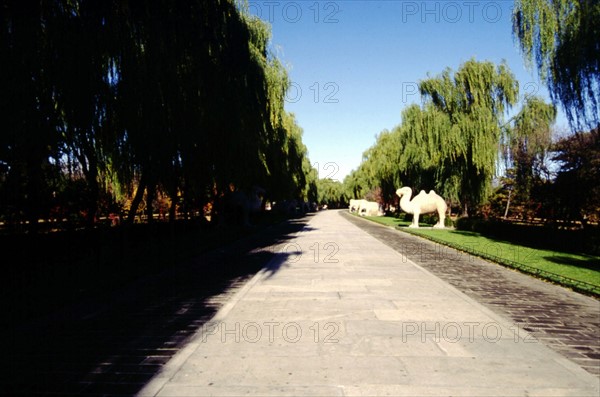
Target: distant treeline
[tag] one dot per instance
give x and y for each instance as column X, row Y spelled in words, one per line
column 110, row 108
column 459, row 143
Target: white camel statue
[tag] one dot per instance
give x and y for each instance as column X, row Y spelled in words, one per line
column 422, row 203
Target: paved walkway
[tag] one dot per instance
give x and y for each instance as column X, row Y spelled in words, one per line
column 566, row 321
column 113, row 344
column 337, row 312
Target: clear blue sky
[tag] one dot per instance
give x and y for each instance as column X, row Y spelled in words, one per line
column 355, row 65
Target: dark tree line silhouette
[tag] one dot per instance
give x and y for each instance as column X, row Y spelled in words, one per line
column 115, row 106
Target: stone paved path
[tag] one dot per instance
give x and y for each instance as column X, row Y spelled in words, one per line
column 338, row 312
column 113, row 345
column 566, row 321
column 127, row 342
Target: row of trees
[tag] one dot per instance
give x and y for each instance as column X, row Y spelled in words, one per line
column 457, row 143
column 450, row 142
column 109, row 106
column 559, row 183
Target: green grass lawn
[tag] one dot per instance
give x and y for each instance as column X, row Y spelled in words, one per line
column 577, row 271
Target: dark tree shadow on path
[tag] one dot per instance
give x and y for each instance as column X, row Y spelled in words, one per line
column 114, row 345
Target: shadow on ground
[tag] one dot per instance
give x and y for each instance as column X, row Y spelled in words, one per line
column 115, row 344
column 589, row 263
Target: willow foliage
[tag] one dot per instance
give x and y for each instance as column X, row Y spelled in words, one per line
column 451, row 142
column 423, row 137
column 474, row 99
column 532, row 126
column 527, row 143
column 133, row 99
column 331, row 193
column 379, row 167
column 562, row 38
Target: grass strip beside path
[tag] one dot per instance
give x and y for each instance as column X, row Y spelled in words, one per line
column 579, row 272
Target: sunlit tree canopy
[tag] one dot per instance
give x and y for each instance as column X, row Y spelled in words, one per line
column 562, row 38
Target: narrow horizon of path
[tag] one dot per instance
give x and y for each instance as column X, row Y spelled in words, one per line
column 338, row 312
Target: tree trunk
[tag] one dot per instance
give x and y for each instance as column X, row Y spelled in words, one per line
column 507, row 203
column 34, row 197
column 139, row 195
column 173, row 206
column 150, row 194
column 92, row 178
column 465, row 212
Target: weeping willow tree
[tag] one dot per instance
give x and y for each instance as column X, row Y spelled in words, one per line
column 527, row 144
column 474, row 99
column 286, row 152
column 135, row 100
column 530, row 139
column 293, row 179
column 420, row 138
column 378, row 170
column 355, row 183
column 331, row 193
column 57, row 104
column 562, row 38
column 310, row 192
column 450, row 143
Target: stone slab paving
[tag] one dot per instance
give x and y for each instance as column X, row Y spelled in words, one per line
column 566, row 321
column 113, row 344
column 337, row 312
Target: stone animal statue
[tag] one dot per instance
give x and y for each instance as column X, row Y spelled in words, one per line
column 356, row 205
column 422, row 203
column 370, row 208
column 353, row 205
